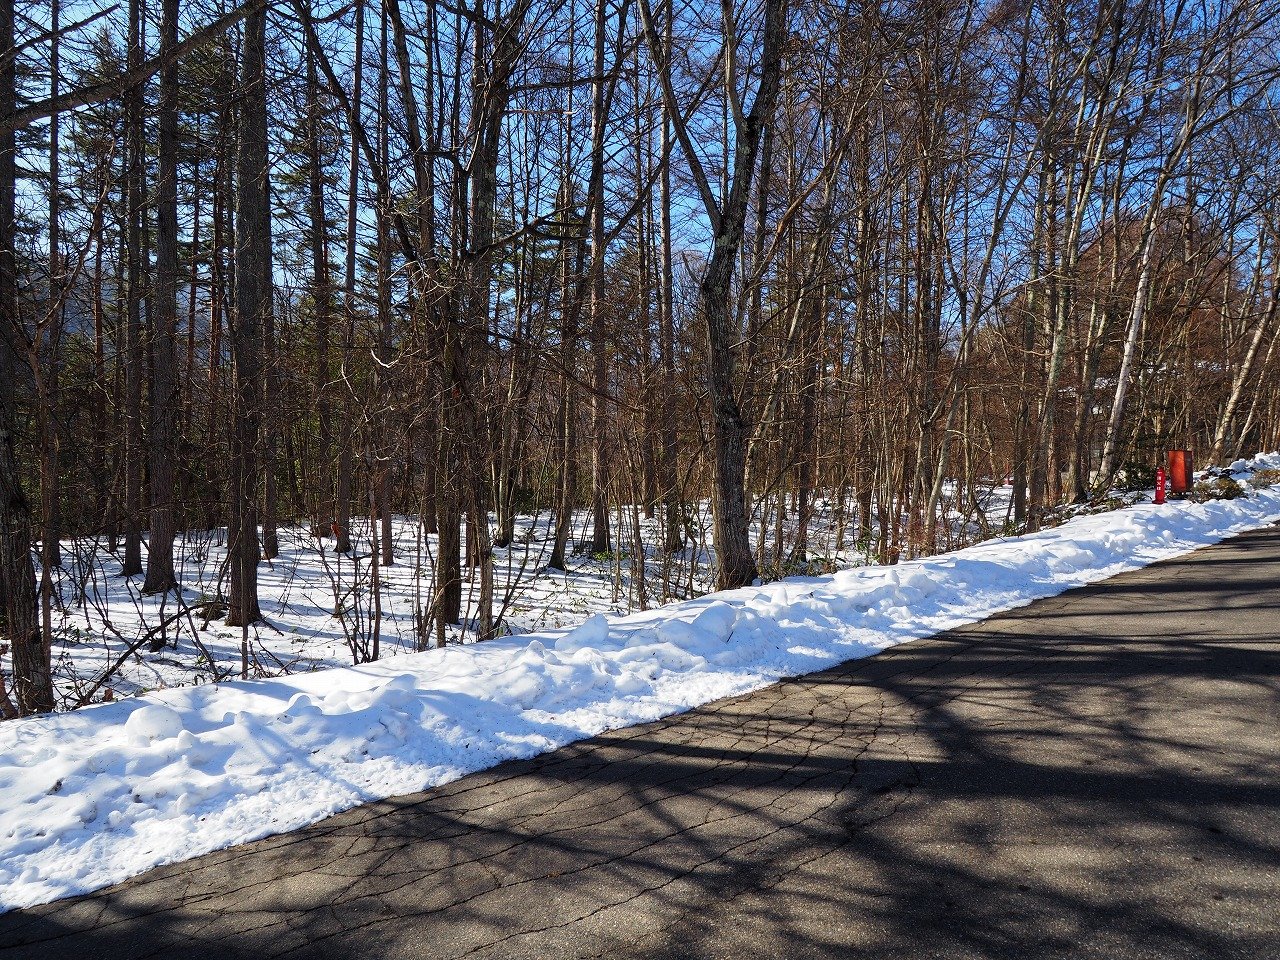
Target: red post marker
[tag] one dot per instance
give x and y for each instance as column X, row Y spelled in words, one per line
column 1181, row 472
column 1160, row 481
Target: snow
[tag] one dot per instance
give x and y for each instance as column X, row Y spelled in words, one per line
column 101, row 623
column 91, row 797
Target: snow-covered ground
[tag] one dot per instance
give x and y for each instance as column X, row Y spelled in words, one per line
column 317, row 602
column 90, row 797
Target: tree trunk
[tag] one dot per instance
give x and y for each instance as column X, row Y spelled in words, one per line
column 164, row 381
column 321, row 290
column 599, row 367
column 32, row 678
column 253, row 302
column 735, row 565
column 566, row 420
column 134, row 354
column 673, row 529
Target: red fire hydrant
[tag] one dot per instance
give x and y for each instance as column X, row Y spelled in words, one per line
column 1160, row 482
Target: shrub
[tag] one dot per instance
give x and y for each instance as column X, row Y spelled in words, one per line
column 209, row 608
column 810, row 567
column 1221, row 488
column 1135, row 476
column 1264, row 478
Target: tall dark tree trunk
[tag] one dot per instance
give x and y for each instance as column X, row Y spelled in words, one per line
column 101, row 390
column 806, row 445
column 164, row 381
column 381, row 429
column 673, row 536
column 322, row 292
column 599, row 348
column 571, row 256
column 346, row 432
column 19, row 628
column 566, row 438
column 466, row 380
column 51, row 548
column 382, row 442
column 253, row 302
column 49, row 356
column 134, row 352
column 270, row 425
column 221, row 276
column 187, row 387
column 735, row 565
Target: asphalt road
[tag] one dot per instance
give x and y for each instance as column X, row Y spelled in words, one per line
column 1095, row 775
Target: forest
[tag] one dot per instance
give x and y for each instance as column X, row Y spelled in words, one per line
column 691, row 295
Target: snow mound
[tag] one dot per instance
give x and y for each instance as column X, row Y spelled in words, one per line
column 151, row 722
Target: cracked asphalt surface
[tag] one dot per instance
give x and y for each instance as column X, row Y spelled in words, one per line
column 1094, row 775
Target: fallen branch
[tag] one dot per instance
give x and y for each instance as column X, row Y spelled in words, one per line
column 132, row 648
